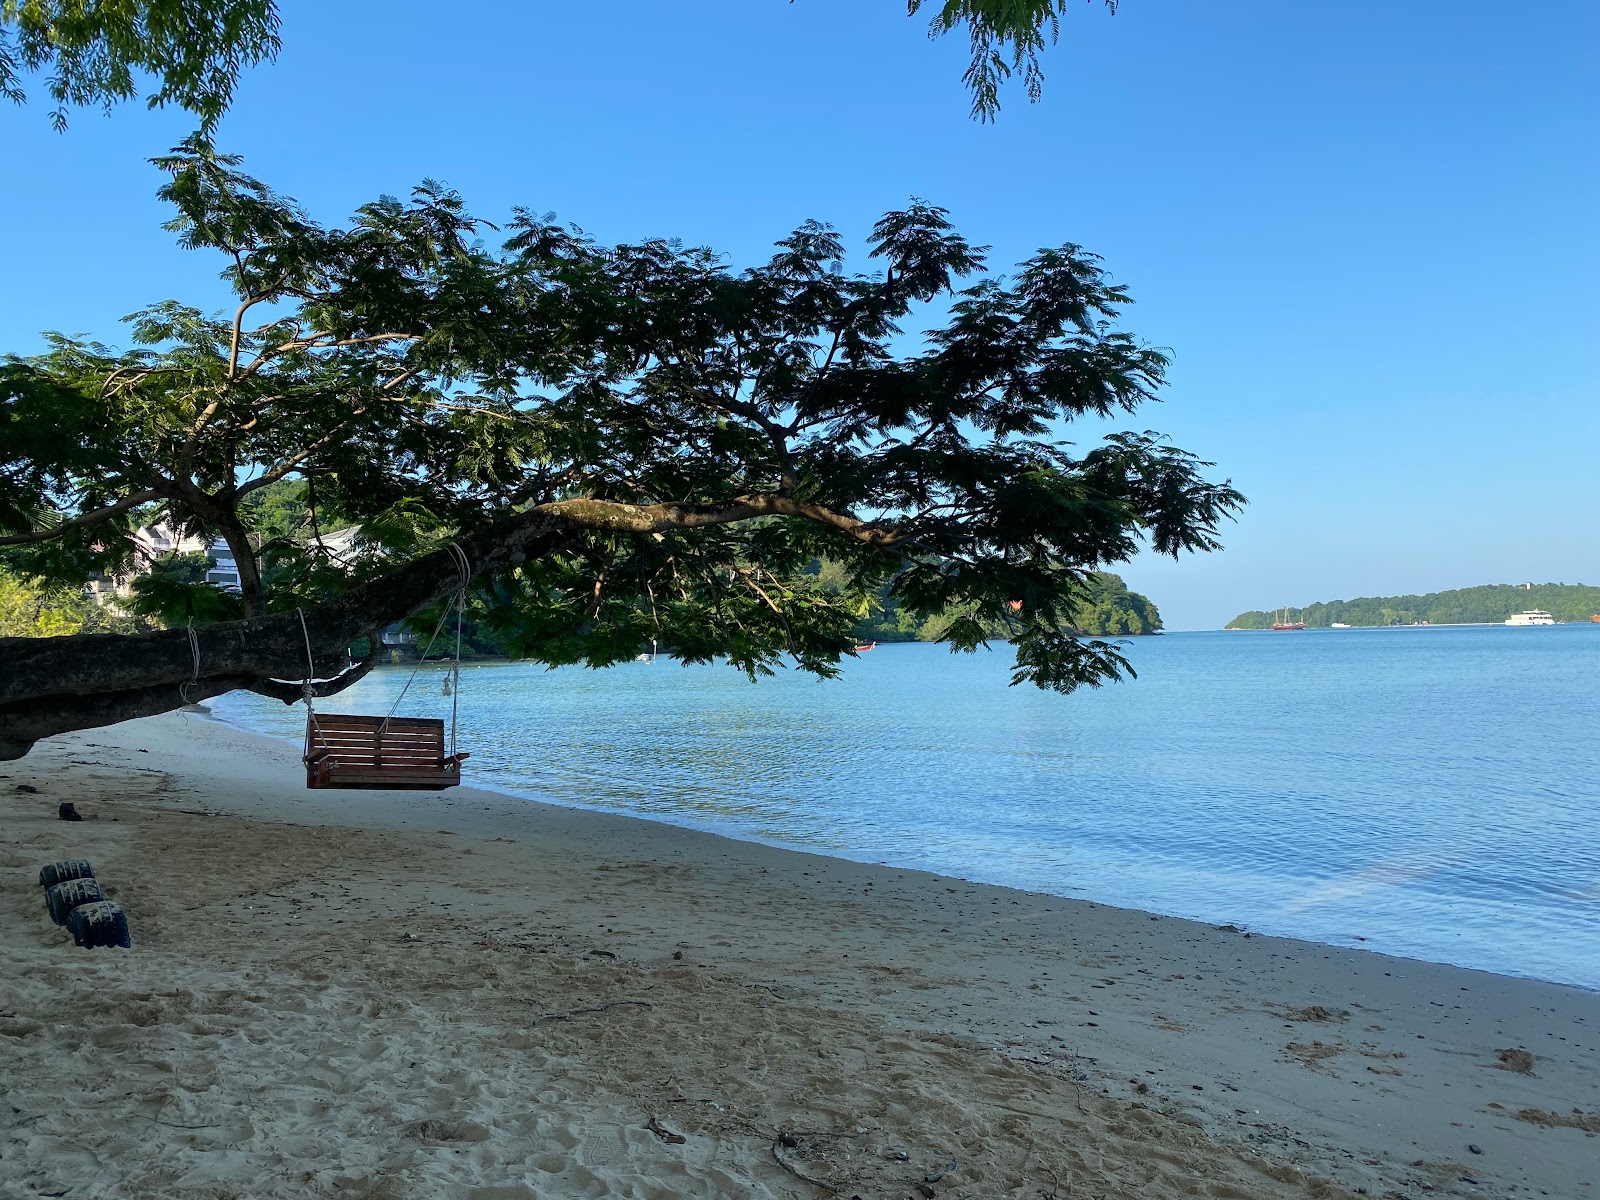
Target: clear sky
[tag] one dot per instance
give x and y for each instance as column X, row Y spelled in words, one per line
column 1369, row 231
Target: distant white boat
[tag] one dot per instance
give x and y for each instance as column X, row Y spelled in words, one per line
column 1534, row 616
column 1338, row 625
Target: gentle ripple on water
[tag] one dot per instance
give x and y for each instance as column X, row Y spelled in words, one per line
column 1431, row 791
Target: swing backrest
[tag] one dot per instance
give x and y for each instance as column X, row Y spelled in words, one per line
column 346, row 750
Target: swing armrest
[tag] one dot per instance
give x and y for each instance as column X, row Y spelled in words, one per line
column 454, row 759
column 316, row 756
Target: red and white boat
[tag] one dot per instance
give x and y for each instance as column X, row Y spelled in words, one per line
column 1286, row 623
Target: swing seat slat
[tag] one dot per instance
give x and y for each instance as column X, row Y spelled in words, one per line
column 350, row 751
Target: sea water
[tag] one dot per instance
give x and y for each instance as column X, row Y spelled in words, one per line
column 1428, row 792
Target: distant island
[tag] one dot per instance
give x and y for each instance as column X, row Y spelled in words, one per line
column 1489, row 604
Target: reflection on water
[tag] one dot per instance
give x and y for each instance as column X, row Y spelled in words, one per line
column 1432, row 791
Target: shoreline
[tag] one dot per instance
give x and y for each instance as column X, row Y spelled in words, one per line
column 673, row 821
column 1269, row 1063
column 1416, row 625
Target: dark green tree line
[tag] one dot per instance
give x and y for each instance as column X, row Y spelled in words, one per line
column 1105, row 608
column 1489, row 604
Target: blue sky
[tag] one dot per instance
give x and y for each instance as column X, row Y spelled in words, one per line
column 1367, row 230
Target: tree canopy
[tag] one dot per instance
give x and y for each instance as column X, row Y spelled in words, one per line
column 613, row 445
column 94, row 52
column 1007, row 36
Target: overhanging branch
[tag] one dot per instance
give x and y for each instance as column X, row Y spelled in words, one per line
column 54, row 685
column 94, row 517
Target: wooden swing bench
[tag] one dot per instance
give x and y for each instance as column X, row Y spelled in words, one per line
column 344, row 750
column 348, row 751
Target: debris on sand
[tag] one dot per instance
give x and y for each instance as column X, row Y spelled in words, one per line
column 1313, row 1055
column 445, row 1129
column 1317, row 1013
column 1514, row 1059
column 1576, row 1119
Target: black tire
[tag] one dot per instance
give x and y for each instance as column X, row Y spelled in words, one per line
column 64, row 897
column 100, row 924
column 67, row 868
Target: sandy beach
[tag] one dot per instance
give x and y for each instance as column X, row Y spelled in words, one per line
column 472, row 996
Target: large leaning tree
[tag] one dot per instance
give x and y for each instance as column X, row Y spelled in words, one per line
column 617, row 445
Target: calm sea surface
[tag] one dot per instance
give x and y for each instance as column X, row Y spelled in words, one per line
column 1426, row 792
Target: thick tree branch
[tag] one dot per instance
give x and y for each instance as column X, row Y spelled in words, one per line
column 20, row 729
column 662, row 518
column 131, row 500
column 52, row 685
column 23, row 725
column 321, row 341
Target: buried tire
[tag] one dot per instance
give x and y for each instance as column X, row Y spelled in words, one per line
column 67, row 868
column 102, row 923
column 64, row 897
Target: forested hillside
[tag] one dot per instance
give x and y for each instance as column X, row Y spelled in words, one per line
column 1491, row 603
column 1108, row 609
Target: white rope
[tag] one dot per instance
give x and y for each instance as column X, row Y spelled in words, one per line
column 464, row 565
column 455, row 672
column 311, row 666
column 306, row 689
column 194, row 649
column 464, row 569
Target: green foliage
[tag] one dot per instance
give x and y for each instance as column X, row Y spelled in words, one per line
column 1109, row 608
column 1490, row 603
column 281, row 510
column 690, row 435
column 1105, row 607
column 174, row 592
column 95, row 51
column 1007, row 36
column 31, row 607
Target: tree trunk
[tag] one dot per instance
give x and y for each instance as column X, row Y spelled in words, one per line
column 251, row 590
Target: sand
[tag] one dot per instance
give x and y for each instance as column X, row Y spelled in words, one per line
column 467, row 995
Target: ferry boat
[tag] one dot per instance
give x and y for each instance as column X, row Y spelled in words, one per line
column 1286, row 623
column 1534, row 616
